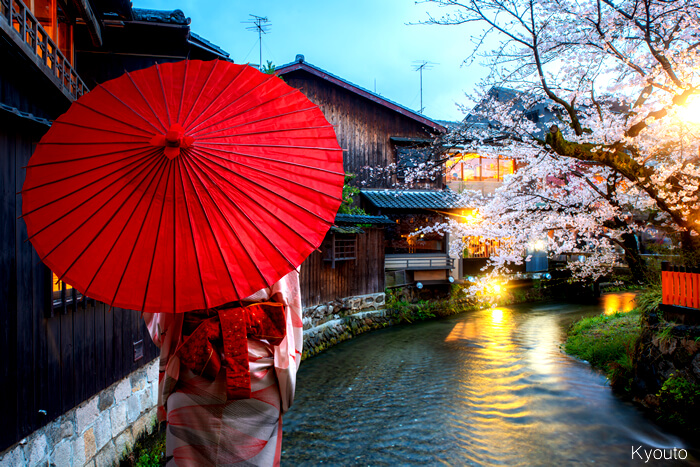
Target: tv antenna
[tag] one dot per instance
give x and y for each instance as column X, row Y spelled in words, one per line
column 419, row 66
column 259, row 24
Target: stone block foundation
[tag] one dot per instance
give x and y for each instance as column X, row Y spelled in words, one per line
column 97, row 432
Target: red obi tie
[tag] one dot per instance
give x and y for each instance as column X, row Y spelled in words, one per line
column 223, row 336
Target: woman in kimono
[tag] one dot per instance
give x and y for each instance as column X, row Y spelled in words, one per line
column 228, row 375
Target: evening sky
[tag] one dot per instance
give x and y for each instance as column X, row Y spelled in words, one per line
column 366, row 42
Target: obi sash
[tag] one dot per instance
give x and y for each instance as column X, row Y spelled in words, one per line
column 219, row 337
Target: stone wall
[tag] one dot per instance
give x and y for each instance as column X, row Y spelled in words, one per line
column 665, row 349
column 319, row 314
column 98, row 431
column 330, row 333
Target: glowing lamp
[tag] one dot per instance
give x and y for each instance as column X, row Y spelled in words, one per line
column 690, row 111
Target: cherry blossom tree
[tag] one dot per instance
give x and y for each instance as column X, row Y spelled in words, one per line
column 619, row 79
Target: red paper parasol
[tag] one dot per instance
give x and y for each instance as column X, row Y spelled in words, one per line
column 183, row 186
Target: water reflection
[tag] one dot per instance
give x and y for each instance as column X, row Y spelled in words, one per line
column 486, row 387
column 619, row 302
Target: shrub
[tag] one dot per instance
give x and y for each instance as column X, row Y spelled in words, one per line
column 679, row 400
column 649, row 300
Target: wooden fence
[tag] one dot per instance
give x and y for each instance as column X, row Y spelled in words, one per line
column 680, row 286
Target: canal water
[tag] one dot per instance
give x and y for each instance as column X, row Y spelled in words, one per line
column 489, row 387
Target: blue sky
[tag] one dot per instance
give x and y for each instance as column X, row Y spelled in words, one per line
column 362, row 41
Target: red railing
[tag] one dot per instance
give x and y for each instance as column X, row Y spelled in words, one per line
column 680, row 286
column 20, row 22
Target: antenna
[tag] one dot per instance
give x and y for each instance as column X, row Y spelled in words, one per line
column 419, row 66
column 259, row 23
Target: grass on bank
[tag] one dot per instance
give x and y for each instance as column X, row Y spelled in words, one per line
column 610, row 342
column 149, row 450
column 607, row 342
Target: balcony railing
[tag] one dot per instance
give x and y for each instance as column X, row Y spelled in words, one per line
column 19, row 22
column 418, row 262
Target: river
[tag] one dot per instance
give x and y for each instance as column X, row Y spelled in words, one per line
column 488, row 387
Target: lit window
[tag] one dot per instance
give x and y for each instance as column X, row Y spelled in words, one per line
column 65, row 35
column 472, row 167
column 478, row 247
column 63, row 294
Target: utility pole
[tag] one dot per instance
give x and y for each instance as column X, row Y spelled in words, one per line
column 260, row 24
column 419, row 66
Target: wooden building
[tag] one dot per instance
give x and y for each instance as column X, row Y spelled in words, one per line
column 380, row 138
column 413, row 257
column 384, row 144
column 350, row 261
column 59, row 348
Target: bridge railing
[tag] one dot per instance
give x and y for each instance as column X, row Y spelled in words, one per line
column 680, row 286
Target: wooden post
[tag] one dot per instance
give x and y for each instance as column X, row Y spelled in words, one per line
column 665, row 283
column 675, row 289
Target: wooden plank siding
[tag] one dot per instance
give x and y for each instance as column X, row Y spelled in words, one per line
column 320, row 283
column 363, row 127
column 50, row 364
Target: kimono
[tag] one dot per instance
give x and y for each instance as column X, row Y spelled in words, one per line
column 219, row 410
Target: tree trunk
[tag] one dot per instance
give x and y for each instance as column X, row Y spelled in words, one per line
column 690, row 250
column 635, row 261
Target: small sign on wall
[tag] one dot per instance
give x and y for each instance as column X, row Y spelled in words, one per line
column 138, row 350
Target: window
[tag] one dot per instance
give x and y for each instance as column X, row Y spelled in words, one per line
column 45, row 12
column 64, row 38
column 472, row 167
column 533, row 116
column 64, row 297
column 425, row 243
column 478, row 247
column 340, row 247
column 57, row 28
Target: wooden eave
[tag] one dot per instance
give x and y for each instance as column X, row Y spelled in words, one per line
column 93, row 24
column 303, row 66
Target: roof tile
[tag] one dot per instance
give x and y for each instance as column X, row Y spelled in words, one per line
column 414, row 199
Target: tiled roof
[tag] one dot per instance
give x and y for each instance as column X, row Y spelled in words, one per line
column 414, row 199
column 199, row 41
column 346, row 229
column 361, row 219
column 160, row 16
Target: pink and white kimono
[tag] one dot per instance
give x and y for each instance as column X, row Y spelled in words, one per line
column 208, row 421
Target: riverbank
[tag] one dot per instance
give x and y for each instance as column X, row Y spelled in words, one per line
column 607, row 342
column 402, row 307
column 648, row 360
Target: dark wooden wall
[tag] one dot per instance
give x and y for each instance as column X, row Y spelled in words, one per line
column 320, row 283
column 54, row 363
column 25, row 88
column 363, row 127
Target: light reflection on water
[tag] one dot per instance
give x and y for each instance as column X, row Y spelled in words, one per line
column 482, row 388
column 618, row 302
